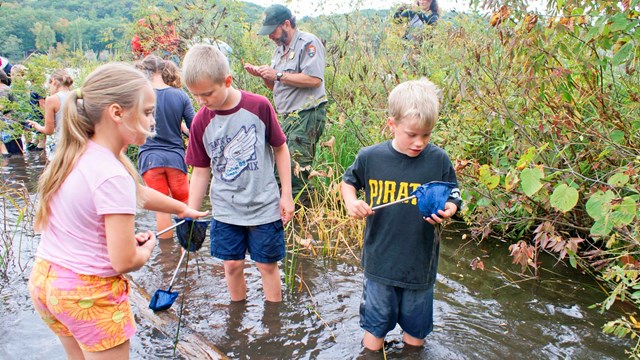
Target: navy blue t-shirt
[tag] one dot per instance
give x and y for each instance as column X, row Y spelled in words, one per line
column 166, row 149
column 399, row 246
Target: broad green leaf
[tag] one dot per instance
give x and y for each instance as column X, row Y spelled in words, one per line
column 511, row 181
column 605, row 43
column 619, row 22
column 621, row 219
column 595, row 29
column 564, row 198
column 604, row 153
column 601, row 61
column 624, row 213
column 484, row 202
column 618, row 179
column 593, row 32
column 526, row 158
column 617, row 136
column 599, row 204
column 636, row 125
column 573, row 183
column 623, row 53
column 530, row 180
column 602, row 227
column 572, row 258
column 488, row 178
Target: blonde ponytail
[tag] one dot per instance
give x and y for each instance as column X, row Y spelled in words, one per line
column 115, row 83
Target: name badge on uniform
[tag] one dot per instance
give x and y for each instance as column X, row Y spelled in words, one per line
column 311, row 50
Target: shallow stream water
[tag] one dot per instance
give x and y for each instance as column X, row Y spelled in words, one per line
column 479, row 314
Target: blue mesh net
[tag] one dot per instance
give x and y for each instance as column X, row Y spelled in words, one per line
column 162, row 300
column 432, row 196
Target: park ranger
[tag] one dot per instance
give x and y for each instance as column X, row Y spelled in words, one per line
column 296, row 76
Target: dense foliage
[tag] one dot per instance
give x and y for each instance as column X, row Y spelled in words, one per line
column 540, row 113
column 550, row 154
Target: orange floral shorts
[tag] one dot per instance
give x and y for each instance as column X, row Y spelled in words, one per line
column 92, row 309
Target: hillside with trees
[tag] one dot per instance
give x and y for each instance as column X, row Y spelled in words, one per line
column 32, row 26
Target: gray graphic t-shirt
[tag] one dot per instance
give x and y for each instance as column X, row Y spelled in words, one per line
column 237, row 145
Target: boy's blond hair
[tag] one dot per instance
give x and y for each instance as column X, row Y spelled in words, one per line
column 417, row 100
column 204, row 62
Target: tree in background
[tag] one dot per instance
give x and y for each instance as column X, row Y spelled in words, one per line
column 45, row 36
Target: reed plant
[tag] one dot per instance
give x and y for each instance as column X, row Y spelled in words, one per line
column 16, row 229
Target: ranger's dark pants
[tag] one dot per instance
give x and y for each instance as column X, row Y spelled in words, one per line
column 303, row 129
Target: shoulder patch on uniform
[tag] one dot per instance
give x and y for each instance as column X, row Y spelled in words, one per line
column 311, row 50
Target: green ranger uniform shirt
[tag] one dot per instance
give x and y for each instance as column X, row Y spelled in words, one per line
column 304, row 55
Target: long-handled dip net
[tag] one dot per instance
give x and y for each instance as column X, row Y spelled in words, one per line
column 191, row 235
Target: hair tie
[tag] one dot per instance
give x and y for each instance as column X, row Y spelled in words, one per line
column 79, row 93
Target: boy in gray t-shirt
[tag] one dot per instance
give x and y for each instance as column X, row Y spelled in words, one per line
column 235, row 136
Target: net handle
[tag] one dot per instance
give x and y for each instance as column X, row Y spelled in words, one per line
column 393, row 202
column 170, row 227
column 173, row 278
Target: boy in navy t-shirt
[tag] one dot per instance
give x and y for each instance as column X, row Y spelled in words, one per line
column 401, row 251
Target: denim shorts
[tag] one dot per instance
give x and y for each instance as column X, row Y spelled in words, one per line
column 265, row 242
column 384, row 306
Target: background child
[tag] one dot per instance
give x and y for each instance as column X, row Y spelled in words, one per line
column 5, row 92
column 236, row 136
column 59, row 88
column 400, row 253
column 161, row 158
column 88, row 196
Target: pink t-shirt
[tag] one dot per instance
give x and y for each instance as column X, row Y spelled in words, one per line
column 75, row 234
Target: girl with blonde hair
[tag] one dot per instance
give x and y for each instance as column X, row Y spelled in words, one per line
column 88, row 196
column 60, row 84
